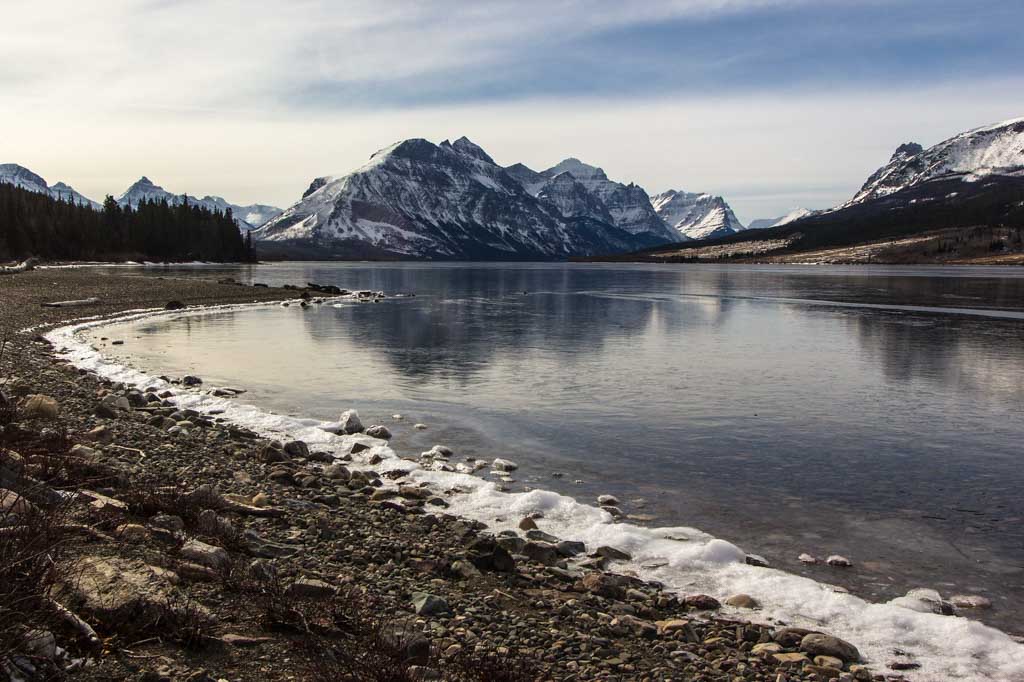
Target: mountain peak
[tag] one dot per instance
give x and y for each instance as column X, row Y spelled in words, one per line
column 907, row 149
column 464, row 145
column 581, row 171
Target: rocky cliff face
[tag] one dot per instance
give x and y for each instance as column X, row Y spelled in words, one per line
column 695, row 215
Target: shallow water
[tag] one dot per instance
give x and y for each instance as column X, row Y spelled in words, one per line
column 871, row 412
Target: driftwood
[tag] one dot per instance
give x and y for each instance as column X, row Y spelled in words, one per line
column 71, row 304
column 75, row 622
column 23, row 266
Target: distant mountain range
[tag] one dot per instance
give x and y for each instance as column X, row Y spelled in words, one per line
column 974, row 179
column 247, row 217
column 416, row 199
column 764, row 223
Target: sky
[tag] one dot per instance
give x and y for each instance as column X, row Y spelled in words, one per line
column 772, row 104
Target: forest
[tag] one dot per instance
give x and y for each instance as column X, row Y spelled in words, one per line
column 33, row 224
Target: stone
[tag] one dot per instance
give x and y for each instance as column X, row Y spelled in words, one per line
column 537, row 534
column 924, row 600
column 527, row 524
column 132, row 532
column 244, row 640
column 40, row 407
column 271, row 453
column 766, row 648
column 310, row 588
column 349, row 422
column 190, row 380
column 489, row 554
column 611, row 553
column 756, row 560
column 822, row 672
column 672, row 625
column 296, row 448
column 808, row 559
column 569, row 548
column 742, row 601
column 260, row 500
column 41, row 644
column 419, row 427
column 838, row 560
column 465, row 570
column 608, row 501
column 791, row 637
column 204, row 554
column 970, row 601
column 541, row 552
column 100, row 434
column 425, row 604
column 817, row 644
column 500, row 464
column 13, row 504
column 702, row 602
column 790, row 657
column 378, row 431
column 174, row 305
column 168, row 522
column 107, row 411
column 828, row 662
column 604, row 585
column 337, row 472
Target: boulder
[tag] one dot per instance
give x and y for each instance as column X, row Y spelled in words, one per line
column 204, row 554
column 13, row 504
column 791, row 637
column 838, row 560
column 817, row 644
column 604, row 585
column 425, row 604
column 378, row 431
column 742, row 601
column 40, row 407
column 541, row 552
column 190, row 380
column 702, row 602
column 349, row 422
column 310, row 588
column 296, row 448
column 611, row 553
column 500, row 464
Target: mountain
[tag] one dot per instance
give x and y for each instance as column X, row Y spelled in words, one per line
column 531, row 180
column 19, row 176
column 695, row 215
column 573, row 200
column 416, row 199
column 765, row 223
column 994, row 150
column 629, row 205
column 248, row 217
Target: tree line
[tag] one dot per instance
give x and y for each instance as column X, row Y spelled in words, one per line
column 33, row 224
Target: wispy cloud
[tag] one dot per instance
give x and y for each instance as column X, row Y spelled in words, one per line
column 766, row 101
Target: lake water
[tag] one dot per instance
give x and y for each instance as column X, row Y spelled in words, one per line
column 874, row 412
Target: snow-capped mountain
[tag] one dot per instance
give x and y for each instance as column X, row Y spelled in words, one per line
column 695, row 215
column 573, row 200
column 247, row 217
column 629, row 205
column 417, row 199
column 13, row 174
column 996, row 149
column 765, row 223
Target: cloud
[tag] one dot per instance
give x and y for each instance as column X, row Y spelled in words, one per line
column 770, row 103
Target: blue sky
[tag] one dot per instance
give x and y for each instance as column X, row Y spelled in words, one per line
column 772, row 104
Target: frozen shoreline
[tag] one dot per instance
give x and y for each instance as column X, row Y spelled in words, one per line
column 954, row 648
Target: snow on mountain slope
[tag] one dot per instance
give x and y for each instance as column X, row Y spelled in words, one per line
column 765, row 223
column 420, row 200
column 19, row 176
column 695, row 215
column 531, row 180
column 996, row 149
column 573, row 200
column 247, row 217
column 629, row 205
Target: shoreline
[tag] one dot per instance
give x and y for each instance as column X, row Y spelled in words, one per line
column 549, row 579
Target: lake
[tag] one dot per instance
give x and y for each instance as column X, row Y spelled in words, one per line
column 873, row 412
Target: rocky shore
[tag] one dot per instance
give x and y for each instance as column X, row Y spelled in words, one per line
column 180, row 547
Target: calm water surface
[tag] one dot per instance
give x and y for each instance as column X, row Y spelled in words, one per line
column 872, row 412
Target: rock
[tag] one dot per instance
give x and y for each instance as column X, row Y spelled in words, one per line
column 670, row 626
column 40, row 407
column 541, row 552
column 504, row 465
column 924, row 600
column 569, row 548
column 168, row 522
column 419, row 427
column 174, row 305
column 970, row 601
column 537, row 534
column 378, row 431
column 204, row 554
column 121, row 591
column 41, row 644
column 132, row 532
column 310, row 588
column 107, row 411
column 260, row 500
column 838, row 560
column 860, row 672
column 487, row 554
column 821, row 672
column 791, row 637
column 702, row 602
column 611, row 553
column 349, row 422
column 244, row 640
column 828, row 662
column 808, row 559
column 13, row 504
column 296, row 448
column 465, row 570
column 337, row 472
column 766, row 648
column 604, row 585
column 425, row 604
column 608, row 501
column 756, row 560
column 190, row 380
column 100, row 434
column 271, row 452
column 742, row 601
column 817, row 644
column 527, row 524
column 790, row 657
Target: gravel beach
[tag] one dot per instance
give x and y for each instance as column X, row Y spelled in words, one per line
column 209, row 553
